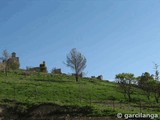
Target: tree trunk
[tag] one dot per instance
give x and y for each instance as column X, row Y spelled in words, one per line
column 148, row 98
column 156, row 99
column 129, row 97
column 113, row 105
column 124, row 94
column 76, row 75
column 6, row 71
column 140, row 107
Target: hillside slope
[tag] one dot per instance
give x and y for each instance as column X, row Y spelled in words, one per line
column 23, row 92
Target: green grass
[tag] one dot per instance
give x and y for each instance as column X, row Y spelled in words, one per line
column 63, row 90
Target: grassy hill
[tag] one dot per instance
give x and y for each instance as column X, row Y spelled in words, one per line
column 24, row 91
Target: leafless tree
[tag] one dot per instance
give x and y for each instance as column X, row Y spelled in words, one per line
column 76, row 61
column 2, row 66
column 4, row 59
column 156, row 71
column 156, row 84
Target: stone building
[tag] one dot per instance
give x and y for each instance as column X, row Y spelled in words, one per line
column 100, row 77
column 56, row 71
column 13, row 62
column 42, row 68
column 93, row 76
column 13, row 56
column 33, row 69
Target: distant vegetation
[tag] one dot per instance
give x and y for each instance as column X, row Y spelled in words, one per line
column 150, row 84
column 25, row 89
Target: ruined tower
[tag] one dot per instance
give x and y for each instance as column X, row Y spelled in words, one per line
column 13, row 62
column 43, row 67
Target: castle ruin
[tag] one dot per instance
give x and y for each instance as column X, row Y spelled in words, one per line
column 13, row 62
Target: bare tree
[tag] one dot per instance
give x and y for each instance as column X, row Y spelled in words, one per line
column 2, row 66
column 4, row 58
column 156, row 84
column 76, row 61
column 156, row 71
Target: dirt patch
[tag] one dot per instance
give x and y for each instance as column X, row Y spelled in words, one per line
column 56, row 112
column 48, row 112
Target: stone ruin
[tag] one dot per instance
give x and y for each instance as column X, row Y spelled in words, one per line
column 56, row 71
column 42, row 68
column 100, row 77
column 13, row 62
column 13, row 56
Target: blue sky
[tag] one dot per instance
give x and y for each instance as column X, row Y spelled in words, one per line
column 114, row 35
